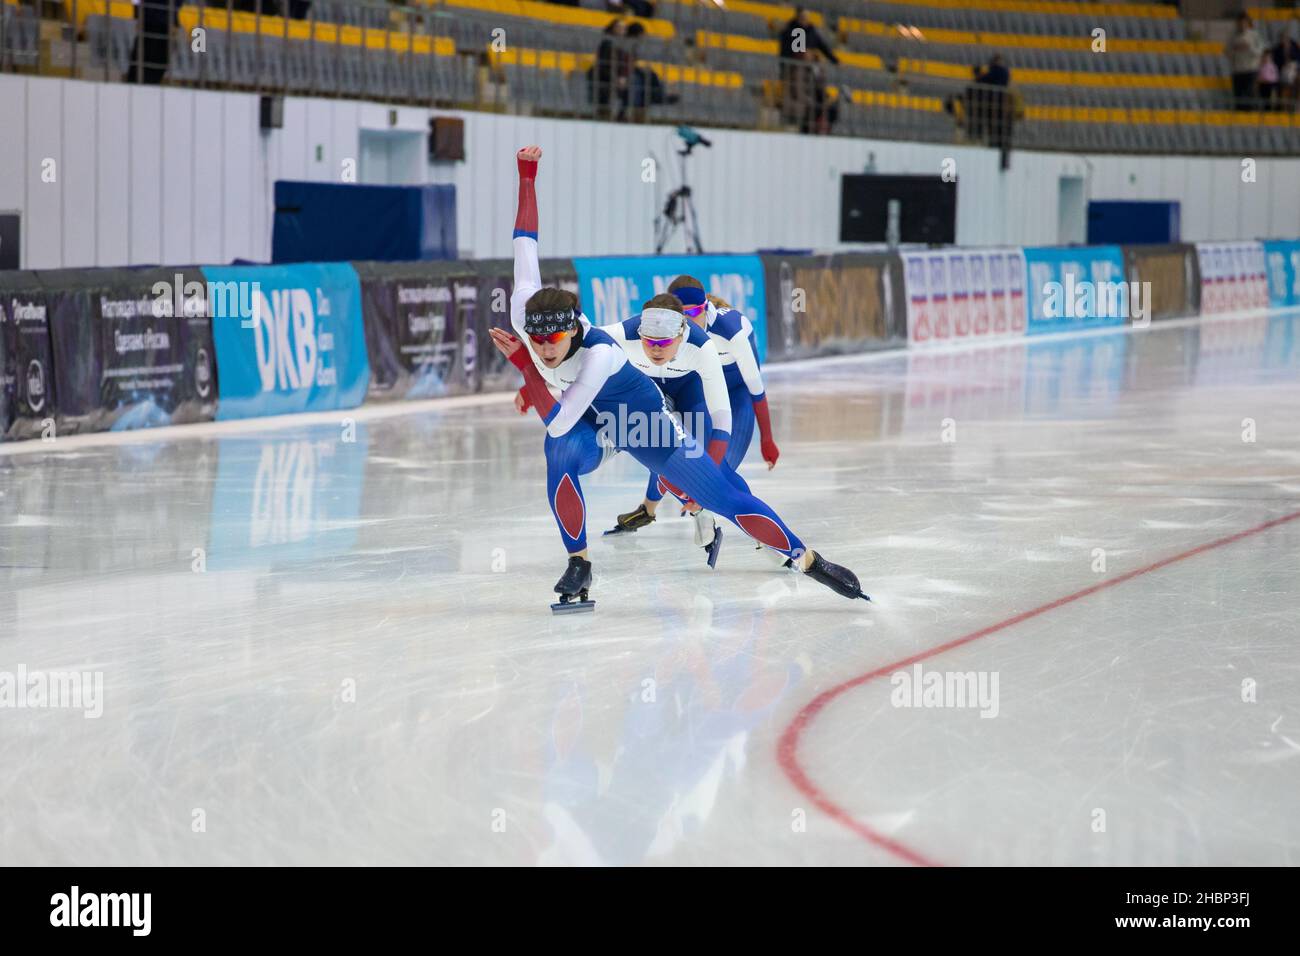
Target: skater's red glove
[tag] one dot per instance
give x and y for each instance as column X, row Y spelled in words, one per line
column 770, row 452
column 520, row 358
column 522, row 403
column 534, row 392
column 718, row 450
column 526, row 211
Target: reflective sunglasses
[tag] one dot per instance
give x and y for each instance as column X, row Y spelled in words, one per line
column 693, row 310
column 554, row 338
column 660, row 343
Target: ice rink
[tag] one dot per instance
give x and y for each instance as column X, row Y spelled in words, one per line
column 316, row 650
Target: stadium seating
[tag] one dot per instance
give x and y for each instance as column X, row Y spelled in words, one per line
column 902, row 64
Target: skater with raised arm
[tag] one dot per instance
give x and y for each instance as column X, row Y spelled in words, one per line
column 607, row 405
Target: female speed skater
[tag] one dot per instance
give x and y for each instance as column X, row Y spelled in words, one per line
column 598, row 385
column 732, row 335
column 681, row 359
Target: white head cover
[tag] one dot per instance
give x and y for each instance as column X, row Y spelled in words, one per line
column 661, row 324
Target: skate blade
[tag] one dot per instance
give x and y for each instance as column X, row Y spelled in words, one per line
column 714, row 546
column 619, row 530
column 572, row 607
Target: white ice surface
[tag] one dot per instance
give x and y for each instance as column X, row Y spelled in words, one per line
column 367, row 670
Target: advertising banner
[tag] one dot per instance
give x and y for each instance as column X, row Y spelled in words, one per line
column 131, row 348
column 1282, row 260
column 420, row 343
column 1233, row 277
column 847, row 302
column 1074, row 288
column 288, row 338
column 26, row 379
column 1168, row 275
column 963, row 295
column 613, row 288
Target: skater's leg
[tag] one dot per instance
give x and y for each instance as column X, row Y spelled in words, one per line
column 653, row 493
column 704, row 481
column 688, row 401
column 696, row 475
column 573, row 454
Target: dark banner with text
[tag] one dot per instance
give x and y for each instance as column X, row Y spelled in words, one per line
column 846, row 302
column 420, row 333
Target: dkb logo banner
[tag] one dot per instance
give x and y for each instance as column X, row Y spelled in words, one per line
column 288, row 338
column 613, row 288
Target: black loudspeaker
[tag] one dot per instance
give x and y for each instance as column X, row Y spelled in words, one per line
column 927, row 208
column 272, row 112
column 446, row 138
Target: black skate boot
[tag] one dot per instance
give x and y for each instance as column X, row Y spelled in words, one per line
column 840, row 580
column 632, row 521
column 572, row 587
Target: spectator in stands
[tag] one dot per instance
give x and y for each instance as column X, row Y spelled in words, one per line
column 995, row 74
column 611, row 76
column 1266, row 81
column 989, row 110
column 1243, row 52
column 800, row 36
column 799, row 39
column 821, row 108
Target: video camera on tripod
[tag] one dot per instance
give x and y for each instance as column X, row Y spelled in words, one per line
column 679, row 210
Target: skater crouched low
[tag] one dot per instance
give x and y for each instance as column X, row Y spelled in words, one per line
column 597, row 383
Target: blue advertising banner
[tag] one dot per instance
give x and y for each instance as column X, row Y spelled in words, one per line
column 613, row 288
column 1069, row 289
column 288, row 338
column 1282, row 263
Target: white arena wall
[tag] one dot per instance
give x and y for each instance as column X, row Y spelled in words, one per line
column 177, row 176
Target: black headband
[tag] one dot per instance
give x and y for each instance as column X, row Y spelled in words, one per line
column 544, row 323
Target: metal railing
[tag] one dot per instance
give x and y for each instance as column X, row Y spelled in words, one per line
column 457, row 57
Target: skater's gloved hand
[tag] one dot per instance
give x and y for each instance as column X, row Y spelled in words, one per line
column 522, row 403
column 527, row 159
column 770, row 452
column 717, row 450
column 511, row 348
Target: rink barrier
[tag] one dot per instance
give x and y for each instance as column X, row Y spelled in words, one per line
column 26, row 362
column 419, row 328
column 955, row 295
column 1282, row 260
column 1233, row 277
column 103, row 350
column 1063, row 288
column 829, row 304
column 289, row 338
column 1174, row 276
